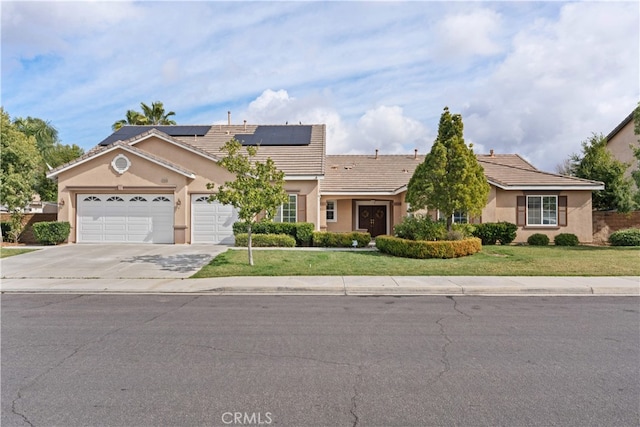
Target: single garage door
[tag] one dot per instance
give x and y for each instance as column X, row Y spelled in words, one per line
column 125, row 218
column 211, row 222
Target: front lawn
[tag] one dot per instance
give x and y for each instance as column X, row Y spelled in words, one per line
column 7, row 252
column 492, row 261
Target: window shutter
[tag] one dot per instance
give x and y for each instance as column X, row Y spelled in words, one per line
column 521, row 211
column 302, row 208
column 562, row 211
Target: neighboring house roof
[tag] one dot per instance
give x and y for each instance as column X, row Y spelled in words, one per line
column 390, row 174
column 622, row 124
column 123, row 146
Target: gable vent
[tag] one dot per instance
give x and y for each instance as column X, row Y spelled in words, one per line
column 121, row 163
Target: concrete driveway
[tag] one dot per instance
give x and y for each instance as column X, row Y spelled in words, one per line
column 112, row 261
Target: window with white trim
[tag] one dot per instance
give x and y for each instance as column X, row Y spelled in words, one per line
column 332, row 211
column 542, row 210
column 460, row 217
column 288, row 212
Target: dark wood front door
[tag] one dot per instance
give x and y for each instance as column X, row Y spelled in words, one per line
column 374, row 219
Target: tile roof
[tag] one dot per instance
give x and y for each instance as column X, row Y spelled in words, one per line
column 293, row 160
column 389, row 174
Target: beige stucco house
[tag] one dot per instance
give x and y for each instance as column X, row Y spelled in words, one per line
column 620, row 141
column 149, row 184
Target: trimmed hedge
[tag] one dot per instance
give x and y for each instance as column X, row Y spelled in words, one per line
column 423, row 249
column 493, row 232
column 566, row 239
column 627, row 237
column 265, row 240
column 302, row 232
column 538, row 239
column 51, row 233
column 328, row 239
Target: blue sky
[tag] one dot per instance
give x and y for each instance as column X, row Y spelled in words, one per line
column 534, row 78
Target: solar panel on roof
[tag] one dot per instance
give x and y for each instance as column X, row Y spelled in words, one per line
column 277, row 135
column 127, row 132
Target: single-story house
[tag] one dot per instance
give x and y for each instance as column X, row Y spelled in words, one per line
column 149, row 184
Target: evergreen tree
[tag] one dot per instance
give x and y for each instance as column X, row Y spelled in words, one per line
column 450, row 179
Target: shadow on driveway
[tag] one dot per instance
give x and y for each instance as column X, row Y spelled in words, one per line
column 183, row 263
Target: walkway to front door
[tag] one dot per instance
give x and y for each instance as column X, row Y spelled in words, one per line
column 373, row 218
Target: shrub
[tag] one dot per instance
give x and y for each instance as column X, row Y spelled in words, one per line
column 328, row 239
column 538, row 239
column 493, row 232
column 300, row 231
column 266, row 240
column 427, row 249
column 467, row 230
column 420, row 227
column 566, row 239
column 5, row 226
column 628, row 237
column 455, row 235
column 51, row 233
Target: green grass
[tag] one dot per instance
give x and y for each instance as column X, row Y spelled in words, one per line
column 492, row 261
column 7, row 252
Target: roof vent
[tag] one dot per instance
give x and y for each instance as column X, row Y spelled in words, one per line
column 491, row 153
column 120, row 163
column 229, row 118
column 415, row 154
column 376, row 154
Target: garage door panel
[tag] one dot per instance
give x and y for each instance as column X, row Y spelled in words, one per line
column 127, row 218
column 211, row 222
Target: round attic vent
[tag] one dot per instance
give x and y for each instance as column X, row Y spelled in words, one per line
column 121, row 163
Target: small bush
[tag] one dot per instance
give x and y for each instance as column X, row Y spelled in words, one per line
column 628, row 237
column 51, row 233
column 420, row 227
column 538, row 239
column 266, row 240
column 423, row 249
column 467, row 230
column 5, row 226
column 455, row 235
column 328, row 239
column 493, row 232
column 300, row 231
column 566, row 239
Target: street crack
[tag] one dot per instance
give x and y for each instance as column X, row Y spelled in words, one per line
column 455, row 307
column 21, row 415
column 354, row 398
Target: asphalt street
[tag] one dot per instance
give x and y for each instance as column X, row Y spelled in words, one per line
column 189, row 360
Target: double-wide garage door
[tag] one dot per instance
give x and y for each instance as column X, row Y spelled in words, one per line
column 125, row 218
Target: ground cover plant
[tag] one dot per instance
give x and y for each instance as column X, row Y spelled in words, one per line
column 491, row 261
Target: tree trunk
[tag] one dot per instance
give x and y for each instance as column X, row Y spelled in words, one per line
column 249, row 245
column 449, row 222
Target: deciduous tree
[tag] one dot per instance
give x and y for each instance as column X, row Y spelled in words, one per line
column 19, row 161
column 450, row 179
column 258, row 187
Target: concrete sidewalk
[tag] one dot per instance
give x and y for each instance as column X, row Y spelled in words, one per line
column 337, row 285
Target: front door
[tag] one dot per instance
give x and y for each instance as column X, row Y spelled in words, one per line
column 374, row 219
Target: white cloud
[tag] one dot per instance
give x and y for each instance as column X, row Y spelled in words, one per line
column 562, row 81
column 465, row 34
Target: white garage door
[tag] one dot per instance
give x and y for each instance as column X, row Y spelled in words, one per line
column 126, row 218
column 211, row 222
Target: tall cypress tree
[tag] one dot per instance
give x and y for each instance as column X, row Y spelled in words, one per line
column 450, row 179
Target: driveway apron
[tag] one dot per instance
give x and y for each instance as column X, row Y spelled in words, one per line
column 112, row 261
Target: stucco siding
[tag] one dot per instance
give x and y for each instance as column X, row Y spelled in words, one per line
column 619, row 146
